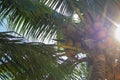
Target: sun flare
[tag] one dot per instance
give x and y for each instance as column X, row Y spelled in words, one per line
column 117, row 34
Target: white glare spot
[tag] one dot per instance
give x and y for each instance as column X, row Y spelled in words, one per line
column 76, row 18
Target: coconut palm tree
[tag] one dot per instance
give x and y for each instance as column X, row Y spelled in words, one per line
column 90, row 35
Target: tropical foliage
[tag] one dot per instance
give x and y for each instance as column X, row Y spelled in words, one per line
column 88, row 43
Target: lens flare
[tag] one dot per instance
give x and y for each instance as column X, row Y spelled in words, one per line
column 117, row 34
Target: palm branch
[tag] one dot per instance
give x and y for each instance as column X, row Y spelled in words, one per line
column 21, row 60
column 31, row 60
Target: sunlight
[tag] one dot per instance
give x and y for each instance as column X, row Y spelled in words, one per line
column 117, row 30
column 117, row 34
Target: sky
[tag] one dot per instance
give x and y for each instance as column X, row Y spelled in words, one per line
column 2, row 29
column 3, row 25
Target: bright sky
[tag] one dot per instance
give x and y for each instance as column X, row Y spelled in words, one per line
column 2, row 29
column 3, row 26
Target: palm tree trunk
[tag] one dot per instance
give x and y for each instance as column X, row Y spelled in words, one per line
column 99, row 67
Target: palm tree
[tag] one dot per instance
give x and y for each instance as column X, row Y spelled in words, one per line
column 52, row 19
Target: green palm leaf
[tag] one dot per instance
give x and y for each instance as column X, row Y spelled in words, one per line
column 23, row 60
column 27, row 60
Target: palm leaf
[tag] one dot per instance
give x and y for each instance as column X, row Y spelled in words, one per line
column 30, row 60
column 35, row 18
column 27, row 60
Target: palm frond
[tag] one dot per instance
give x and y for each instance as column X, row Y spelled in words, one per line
column 36, row 18
column 30, row 60
column 26, row 60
